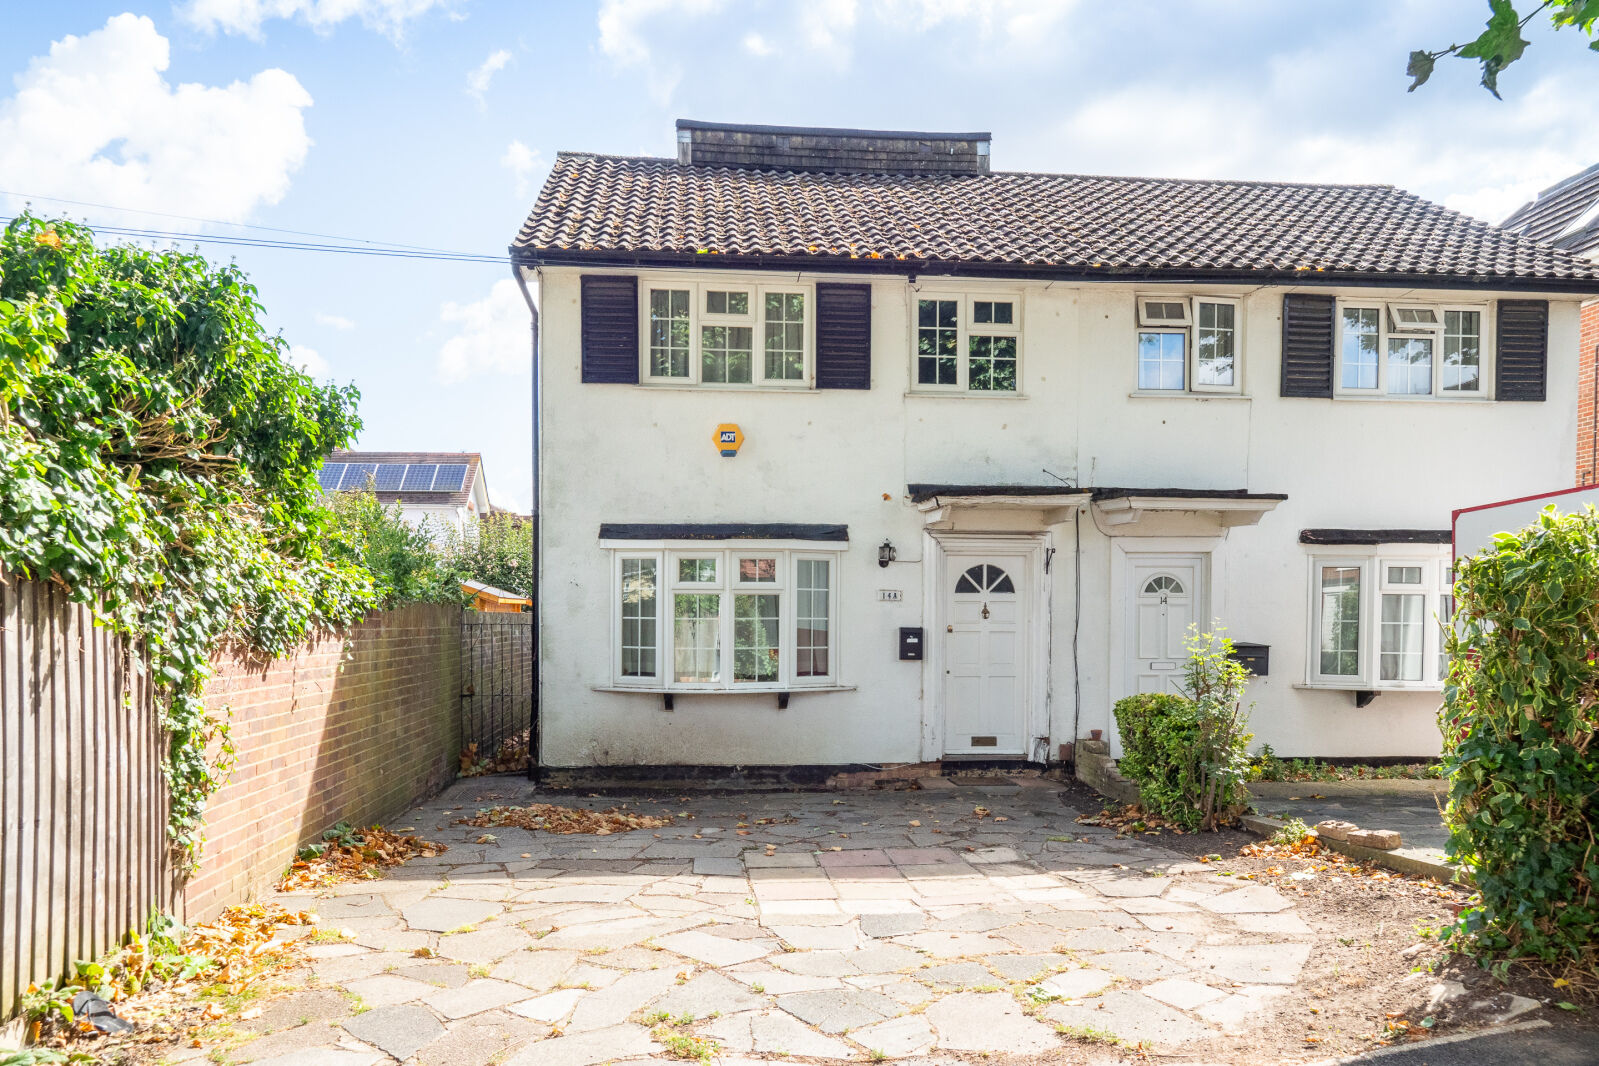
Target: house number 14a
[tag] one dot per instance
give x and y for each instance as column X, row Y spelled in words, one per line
column 890, row 595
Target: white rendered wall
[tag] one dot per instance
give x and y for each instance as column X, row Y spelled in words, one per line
column 619, row 453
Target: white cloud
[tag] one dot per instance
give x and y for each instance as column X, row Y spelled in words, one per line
column 247, row 16
column 309, row 361
column 621, row 25
column 333, row 321
column 523, row 162
column 492, row 335
column 756, row 45
column 95, row 120
column 478, row 78
column 1516, row 148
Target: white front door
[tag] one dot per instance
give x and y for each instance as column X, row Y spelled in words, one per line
column 985, row 655
column 1166, row 597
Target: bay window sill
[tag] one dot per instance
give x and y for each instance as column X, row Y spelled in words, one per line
column 1331, row 686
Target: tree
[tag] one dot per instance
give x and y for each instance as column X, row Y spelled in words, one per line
column 158, row 459
column 406, row 565
column 498, row 551
column 1501, row 43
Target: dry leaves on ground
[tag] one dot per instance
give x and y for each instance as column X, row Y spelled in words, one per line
column 510, row 757
column 379, row 848
column 549, row 818
column 1311, row 860
column 1129, row 820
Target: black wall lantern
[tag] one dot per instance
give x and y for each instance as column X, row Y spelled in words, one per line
column 885, row 553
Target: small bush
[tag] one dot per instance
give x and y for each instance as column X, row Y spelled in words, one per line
column 1520, row 709
column 1188, row 753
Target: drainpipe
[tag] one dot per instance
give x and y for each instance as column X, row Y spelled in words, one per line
column 538, row 554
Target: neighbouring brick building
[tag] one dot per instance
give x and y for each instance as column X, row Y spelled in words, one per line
column 1567, row 215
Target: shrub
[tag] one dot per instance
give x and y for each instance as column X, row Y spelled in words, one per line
column 1188, row 753
column 1518, row 722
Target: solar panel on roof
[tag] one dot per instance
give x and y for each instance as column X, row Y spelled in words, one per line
column 389, row 476
column 451, row 477
column 357, row 475
column 419, row 477
column 328, row 477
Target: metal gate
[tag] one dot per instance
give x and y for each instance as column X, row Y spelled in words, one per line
column 496, row 691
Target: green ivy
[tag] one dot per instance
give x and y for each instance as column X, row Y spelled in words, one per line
column 1518, row 723
column 1188, row 753
column 158, row 459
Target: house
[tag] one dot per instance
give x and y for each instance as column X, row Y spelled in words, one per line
column 439, row 490
column 1566, row 215
column 855, row 449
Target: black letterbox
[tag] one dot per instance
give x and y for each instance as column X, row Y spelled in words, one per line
column 1256, row 657
column 910, row 643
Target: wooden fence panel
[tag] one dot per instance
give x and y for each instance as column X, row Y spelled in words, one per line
column 83, row 853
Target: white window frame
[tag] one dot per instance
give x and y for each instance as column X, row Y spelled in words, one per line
column 668, row 554
column 1387, row 329
column 966, row 327
column 755, row 319
column 1373, row 564
column 1189, row 327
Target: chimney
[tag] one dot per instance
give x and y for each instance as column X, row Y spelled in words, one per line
column 722, row 144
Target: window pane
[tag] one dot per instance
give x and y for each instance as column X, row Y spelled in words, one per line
column 725, row 354
column 1340, row 621
column 638, row 617
column 1401, row 637
column 1446, row 622
column 757, row 569
column 936, row 339
column 1462, row 363
column 1409, row 366
column 1162, row 360
column 982, row 311
column 813, row 592
column 1215, row 345
column 697, row 636
column 716, row 303
column 697, row 570
column 1404, row 575
column 785, row 336
column 991, row 364
column 1360, row 329
column 669, row 333
column 755, row 637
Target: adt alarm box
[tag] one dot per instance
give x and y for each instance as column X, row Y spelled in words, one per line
column 910, row 643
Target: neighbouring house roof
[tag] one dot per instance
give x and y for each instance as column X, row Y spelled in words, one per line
column 456, row 485
column 631, row 211
column 1565, row 215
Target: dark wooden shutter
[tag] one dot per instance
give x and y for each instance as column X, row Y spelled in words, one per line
column 1522, row 359
column 843, row 336
column 610, row 328
column 1307, row 345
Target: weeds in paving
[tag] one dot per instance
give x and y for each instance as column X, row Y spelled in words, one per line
column 458, row 930
column 1091, row 1034
column 685, row 1045
column 478, row 969
column 1294, row 831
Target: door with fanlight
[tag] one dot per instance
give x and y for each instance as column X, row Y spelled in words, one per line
column 985, row 655
column 1166, row 598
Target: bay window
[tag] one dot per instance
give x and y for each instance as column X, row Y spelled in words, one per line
column 726, row 333
column 1377, row 620
column 966, row 343
column 1410, row 350
column 725, row 619
column 1188, row 344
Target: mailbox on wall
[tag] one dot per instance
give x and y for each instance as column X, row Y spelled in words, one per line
column 910, row 643
column 1255, row 657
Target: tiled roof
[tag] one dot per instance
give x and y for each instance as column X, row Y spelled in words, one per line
column 473, row 461
column 599, row 208
column 1565, row 215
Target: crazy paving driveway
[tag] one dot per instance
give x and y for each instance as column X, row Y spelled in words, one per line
column 800, row 927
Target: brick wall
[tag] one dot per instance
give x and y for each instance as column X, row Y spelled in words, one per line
column 1587, row 446
column 354, row 728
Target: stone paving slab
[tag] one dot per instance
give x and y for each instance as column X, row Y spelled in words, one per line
column 833, row 931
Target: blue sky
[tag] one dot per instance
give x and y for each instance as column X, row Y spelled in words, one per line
column 432, row 123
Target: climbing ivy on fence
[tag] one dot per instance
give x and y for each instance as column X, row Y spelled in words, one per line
column 1518, row 723
column 158, row 459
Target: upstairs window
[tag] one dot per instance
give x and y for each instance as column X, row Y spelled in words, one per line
column 1187, row 344
column 1410, row 350
column 718, row 334
column 966, row 343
